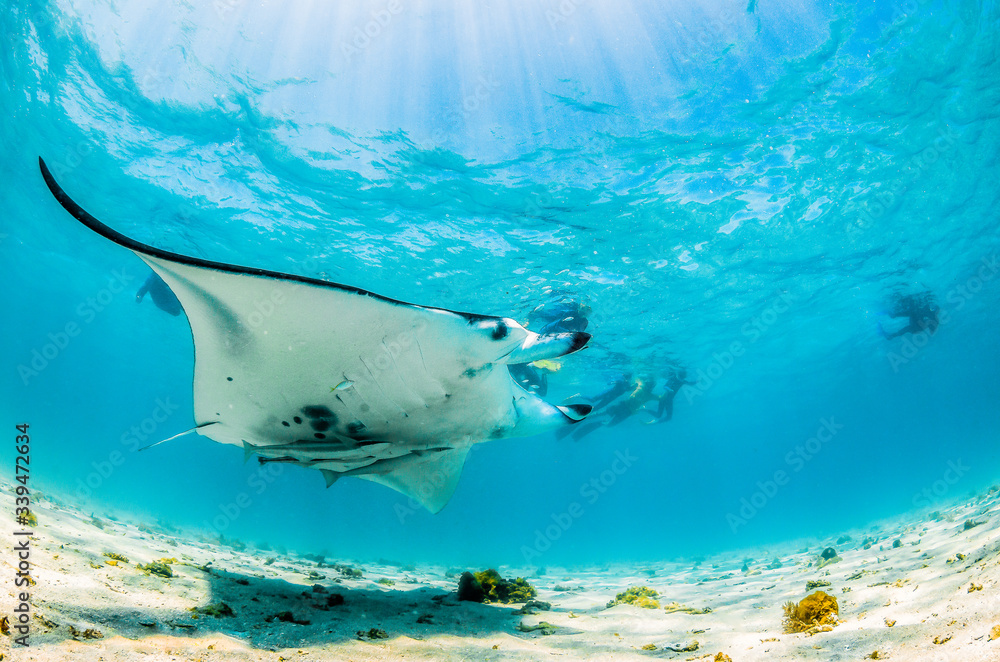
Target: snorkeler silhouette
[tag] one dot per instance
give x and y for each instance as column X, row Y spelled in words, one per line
column 619, row 386
column 921, row 309
column 561, row 314
column 626, row 398
column 665, row 404
column 160, row 294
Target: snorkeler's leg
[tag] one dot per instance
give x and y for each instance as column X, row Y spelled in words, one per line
column 608, row 396
column 566, row 430
column 912, row 327
column 581, row 431
column 666, row 411
column 618, row 415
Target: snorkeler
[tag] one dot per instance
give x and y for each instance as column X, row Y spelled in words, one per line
column 627, row 398
column 643, row 394
column 601, row 402
column 665, row 403
column 561, row 314
column 160, row 294
column 921, row 309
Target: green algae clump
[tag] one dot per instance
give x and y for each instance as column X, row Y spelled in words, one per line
column 218, row 610
column 640, row 596
column 489, row 586
column 157, row 568
column 678, row 607
column 498, row 589
column 815, row 613
column 542, row 627
column 348, row 572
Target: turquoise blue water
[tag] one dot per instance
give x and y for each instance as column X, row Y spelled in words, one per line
column 737, row 188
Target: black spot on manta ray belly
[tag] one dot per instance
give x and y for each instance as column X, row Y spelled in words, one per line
column 500, row 331
column 297, row 420
column 229, row 379
column 318, row 411
column 320, row 417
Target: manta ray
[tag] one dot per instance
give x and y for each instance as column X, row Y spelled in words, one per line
column 335, row 378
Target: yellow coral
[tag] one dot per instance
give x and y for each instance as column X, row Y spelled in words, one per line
column 814, row 611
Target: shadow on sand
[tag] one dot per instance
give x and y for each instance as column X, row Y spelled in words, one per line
column 271, row 614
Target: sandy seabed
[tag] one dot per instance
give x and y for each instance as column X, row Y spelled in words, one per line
column 933, row 596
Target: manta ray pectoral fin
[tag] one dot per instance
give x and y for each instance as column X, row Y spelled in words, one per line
column 197, row 428
column 330, row 477
column 430, row 480
column 537, row 347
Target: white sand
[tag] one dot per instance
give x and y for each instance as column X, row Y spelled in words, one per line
column 919, row 585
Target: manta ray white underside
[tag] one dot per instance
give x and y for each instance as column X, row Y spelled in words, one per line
column 334, row 378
